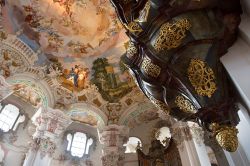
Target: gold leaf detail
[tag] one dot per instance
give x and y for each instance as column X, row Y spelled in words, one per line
column 226, row 136
column 131, row 50
column 184, row 104
column 150, row 68
column 134, row 27
column 201, row 77
column 159, row 104
column 171, row 35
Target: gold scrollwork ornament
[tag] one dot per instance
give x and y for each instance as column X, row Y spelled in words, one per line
column 202, row 78
column 226, row 136
column 184, row 104
column 131, row 50
column 133, row 27
column 171, row 35
column 150, row 68
column 159, row 104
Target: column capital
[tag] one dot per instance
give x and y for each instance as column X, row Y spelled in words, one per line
column 180, row 132
column 50, row 123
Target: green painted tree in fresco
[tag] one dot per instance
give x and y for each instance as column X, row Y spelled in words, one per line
column 107, row 81
column 100, row 75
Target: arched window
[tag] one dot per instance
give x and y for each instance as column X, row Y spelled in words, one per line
column 10, row 117
column 79, row 144
column 163, row 135
column 132, row 144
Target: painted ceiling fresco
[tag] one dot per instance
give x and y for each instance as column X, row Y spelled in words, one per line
column 76, row 45
column 69, row 28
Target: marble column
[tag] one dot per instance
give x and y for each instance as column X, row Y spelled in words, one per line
column 50, row 123
column 112, row 138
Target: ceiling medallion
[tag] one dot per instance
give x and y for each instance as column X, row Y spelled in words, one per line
column 184, row 104
column 159, row 104
column 201, row 77
column 226, row 136
column 171, row 35
column 144, row 13
column 150, row 68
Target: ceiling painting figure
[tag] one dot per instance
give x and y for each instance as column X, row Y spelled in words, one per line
column 66, row 28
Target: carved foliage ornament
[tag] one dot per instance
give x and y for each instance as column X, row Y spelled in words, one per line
column 201, row 77
column 171, row 35
column 184, row 104
column 47, row 147
column 150, row 68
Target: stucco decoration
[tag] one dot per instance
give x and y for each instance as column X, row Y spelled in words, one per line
column 138, row 114
column 180, row 132
column 15, row 55
column 113, row 137
column 50, row 123
column 5, row 88
column 35, row 91
column 197, row 132
column 87, row 114
column 62, row 60
column 47, row 147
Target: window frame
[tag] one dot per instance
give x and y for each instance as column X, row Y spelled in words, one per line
column 69, row 147
column 15, row 123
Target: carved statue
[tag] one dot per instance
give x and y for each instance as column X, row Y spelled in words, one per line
column 174, row 52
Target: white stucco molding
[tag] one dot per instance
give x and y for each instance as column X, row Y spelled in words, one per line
column 28, row 56
column 101, row 116
column 43, row 86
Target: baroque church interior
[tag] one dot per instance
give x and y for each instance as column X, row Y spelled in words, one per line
column 124, row 82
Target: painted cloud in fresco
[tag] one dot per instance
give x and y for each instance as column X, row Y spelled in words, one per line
column 69, row 28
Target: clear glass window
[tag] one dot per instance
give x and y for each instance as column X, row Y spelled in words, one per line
column 10, row 118
column 79, row 144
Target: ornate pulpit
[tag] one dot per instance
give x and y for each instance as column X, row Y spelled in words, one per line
column 174, row 55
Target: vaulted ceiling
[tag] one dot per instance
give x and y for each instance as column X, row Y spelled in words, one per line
column 75, row 48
